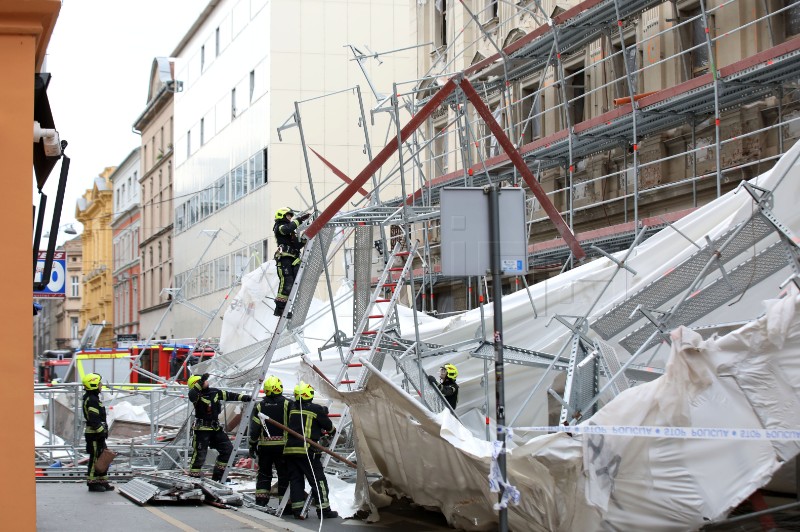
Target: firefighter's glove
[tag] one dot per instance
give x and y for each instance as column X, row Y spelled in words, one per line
column 431, row 379
column 326, row 439
column 104, row 426
column 204, row 378
column 246, row 398
column 303, row 217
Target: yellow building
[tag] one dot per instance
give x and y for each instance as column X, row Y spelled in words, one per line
column 94, row 211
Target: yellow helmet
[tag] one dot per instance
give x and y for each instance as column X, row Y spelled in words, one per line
column 273, row 386
column 280, row 214
column 91, row 381
column 304, row 391
column 194, row 382
column 451, row 370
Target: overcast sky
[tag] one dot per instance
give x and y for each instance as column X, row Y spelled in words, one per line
column 100, row 56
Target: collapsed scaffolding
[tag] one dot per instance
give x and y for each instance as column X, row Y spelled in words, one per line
column 601, row 354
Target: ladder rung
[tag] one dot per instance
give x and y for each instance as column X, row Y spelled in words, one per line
column 375, row 316
column 347, row 382
column 355, row 365
column 395, row 269
column 334, row 415
column 361, row 349
column 370, row 332
column 402, row 254
column 389, row 284
column 383, row 300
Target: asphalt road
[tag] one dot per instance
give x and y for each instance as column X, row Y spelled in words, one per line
column 68, row 506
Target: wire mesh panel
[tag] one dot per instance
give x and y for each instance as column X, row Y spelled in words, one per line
column 314, row 266
column 674, row 282
column 608, row 356
column 719, row 292
column 362, row 273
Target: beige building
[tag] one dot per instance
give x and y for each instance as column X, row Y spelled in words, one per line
column 562, row 91
column 94, row 210
column 155, row 125
column 68, row 310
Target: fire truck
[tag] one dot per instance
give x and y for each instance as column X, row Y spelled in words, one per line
column 53, row 364
column 162, row 360
column 168, row 360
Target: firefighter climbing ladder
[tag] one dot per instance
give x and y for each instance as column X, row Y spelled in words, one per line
column 297, row 306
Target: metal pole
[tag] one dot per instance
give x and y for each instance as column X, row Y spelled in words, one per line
column 316, row 210
column 712, row 67
column 497, row 295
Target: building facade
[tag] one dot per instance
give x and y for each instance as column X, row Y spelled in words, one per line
column 68, row 310
column 25, row 30
column 95, row 210
column 126, row 229
column 155, row 125
column 561, row 93
column 242, row 68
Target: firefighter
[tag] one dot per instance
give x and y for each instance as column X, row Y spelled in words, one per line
column 96, row 431
column 447, row 385
column 287, row 255
column 303, row 460
column 267, row 440
column 207, row 432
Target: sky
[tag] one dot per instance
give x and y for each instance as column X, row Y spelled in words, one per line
column 100, row 56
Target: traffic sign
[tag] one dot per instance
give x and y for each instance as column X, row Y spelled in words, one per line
column 58, row 275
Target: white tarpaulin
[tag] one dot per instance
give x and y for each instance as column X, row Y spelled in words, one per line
column 749, row 378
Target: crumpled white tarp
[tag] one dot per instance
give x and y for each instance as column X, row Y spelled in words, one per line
column 749, row 378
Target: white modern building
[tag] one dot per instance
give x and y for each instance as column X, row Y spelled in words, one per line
column 242, row 67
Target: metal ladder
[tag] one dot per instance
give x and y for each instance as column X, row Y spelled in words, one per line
column 375, row 355
column 373, row 352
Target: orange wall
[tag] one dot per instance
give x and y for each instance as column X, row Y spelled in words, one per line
column 18, row 489
column 25, row 29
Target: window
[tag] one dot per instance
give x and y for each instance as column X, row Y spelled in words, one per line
column 130, row 188
column 693, row 36
column 202, row 131
column 151, row 256
column 188, row 144
column 251, row 174
column 239, row 185
column 202, row 58
column 135, row 292
column 440, row 23
column 574, row 79
column 440, row 152
column 239, row 264
column 73, row 328
column 261, row 167
column 233, row 103
column 222, row 269
column 530, row 120
column 162, row 139
column 252, row 84
column 222, row 191
column 75, row 283
column 216, row 42
column 490, row 12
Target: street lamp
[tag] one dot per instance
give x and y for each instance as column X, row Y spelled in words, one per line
column 66, row 228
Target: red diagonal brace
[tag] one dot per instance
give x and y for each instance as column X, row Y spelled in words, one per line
column 519, row 163
column 341, row 175
column 382, row 156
